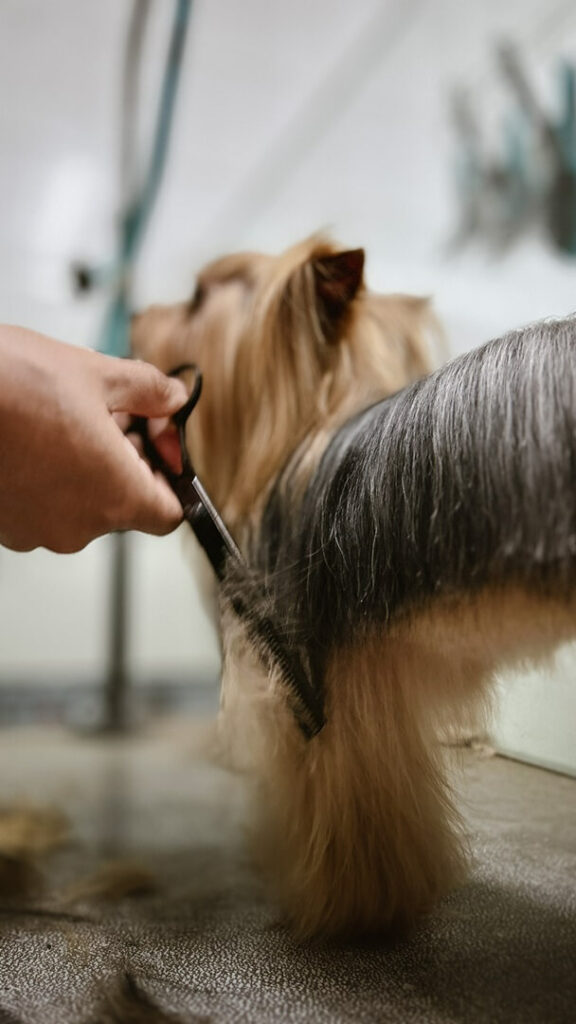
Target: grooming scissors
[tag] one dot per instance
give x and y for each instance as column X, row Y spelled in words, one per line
column 199, row 511
column 219, row 545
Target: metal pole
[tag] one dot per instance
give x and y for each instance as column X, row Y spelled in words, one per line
column 116, row 712
column 137, row 201
column 116, row 689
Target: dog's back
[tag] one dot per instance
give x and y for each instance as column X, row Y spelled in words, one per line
column 409, row 545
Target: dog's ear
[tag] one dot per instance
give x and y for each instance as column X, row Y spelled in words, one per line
column 318, row 294
column 337, row 278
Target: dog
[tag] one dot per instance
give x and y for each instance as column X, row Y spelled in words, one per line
column 415, row 530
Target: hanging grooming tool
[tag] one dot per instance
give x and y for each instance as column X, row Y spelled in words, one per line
column 222, row 551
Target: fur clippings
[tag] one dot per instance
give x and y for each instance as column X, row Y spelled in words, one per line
column 125, row 1002
column 20, row 879
column 113, row 881
column 32, row 830
column 9, row 1018
column 27, row 834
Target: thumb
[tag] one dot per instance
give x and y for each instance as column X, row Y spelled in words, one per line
column 147, row 503
column 158, row 510
column 142, row 390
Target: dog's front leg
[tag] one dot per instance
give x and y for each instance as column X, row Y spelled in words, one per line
column 356, row 826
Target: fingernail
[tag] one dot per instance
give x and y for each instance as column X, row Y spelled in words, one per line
column 156, row 426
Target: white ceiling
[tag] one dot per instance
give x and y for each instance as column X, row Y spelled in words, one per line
column 291, row 117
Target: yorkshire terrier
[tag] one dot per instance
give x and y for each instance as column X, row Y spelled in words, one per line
column 415, row 532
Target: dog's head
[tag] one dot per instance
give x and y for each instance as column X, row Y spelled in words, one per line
column 289, row 346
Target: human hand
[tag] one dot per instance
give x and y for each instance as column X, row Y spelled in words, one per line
column 67, row 472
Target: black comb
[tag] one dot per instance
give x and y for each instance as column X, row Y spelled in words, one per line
column 222, row 551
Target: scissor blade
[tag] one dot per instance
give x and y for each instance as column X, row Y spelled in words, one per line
column 203, row 517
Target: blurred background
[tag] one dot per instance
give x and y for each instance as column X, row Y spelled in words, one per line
column 441, row 136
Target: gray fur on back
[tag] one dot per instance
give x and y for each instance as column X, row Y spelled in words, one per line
column 465, row 478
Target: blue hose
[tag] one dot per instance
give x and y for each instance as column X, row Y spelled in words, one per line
column 136, row 216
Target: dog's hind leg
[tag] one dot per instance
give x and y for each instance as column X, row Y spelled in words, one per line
column 358, row 825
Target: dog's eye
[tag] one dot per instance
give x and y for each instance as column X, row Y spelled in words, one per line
column 198, row 298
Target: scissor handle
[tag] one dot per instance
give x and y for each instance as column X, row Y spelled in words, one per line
column 139, row 425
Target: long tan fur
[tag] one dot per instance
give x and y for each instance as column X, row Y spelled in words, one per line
column 271, row 379
column 357, row 826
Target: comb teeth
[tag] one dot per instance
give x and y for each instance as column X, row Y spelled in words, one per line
column 307, row 707
column 251, row 600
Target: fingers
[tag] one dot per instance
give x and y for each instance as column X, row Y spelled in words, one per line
column 147, row 503
column 142, row 390
column 159, row 511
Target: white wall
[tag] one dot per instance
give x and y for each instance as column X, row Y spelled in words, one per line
column 536, row 718
column 54, row 615
column 318, row 113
